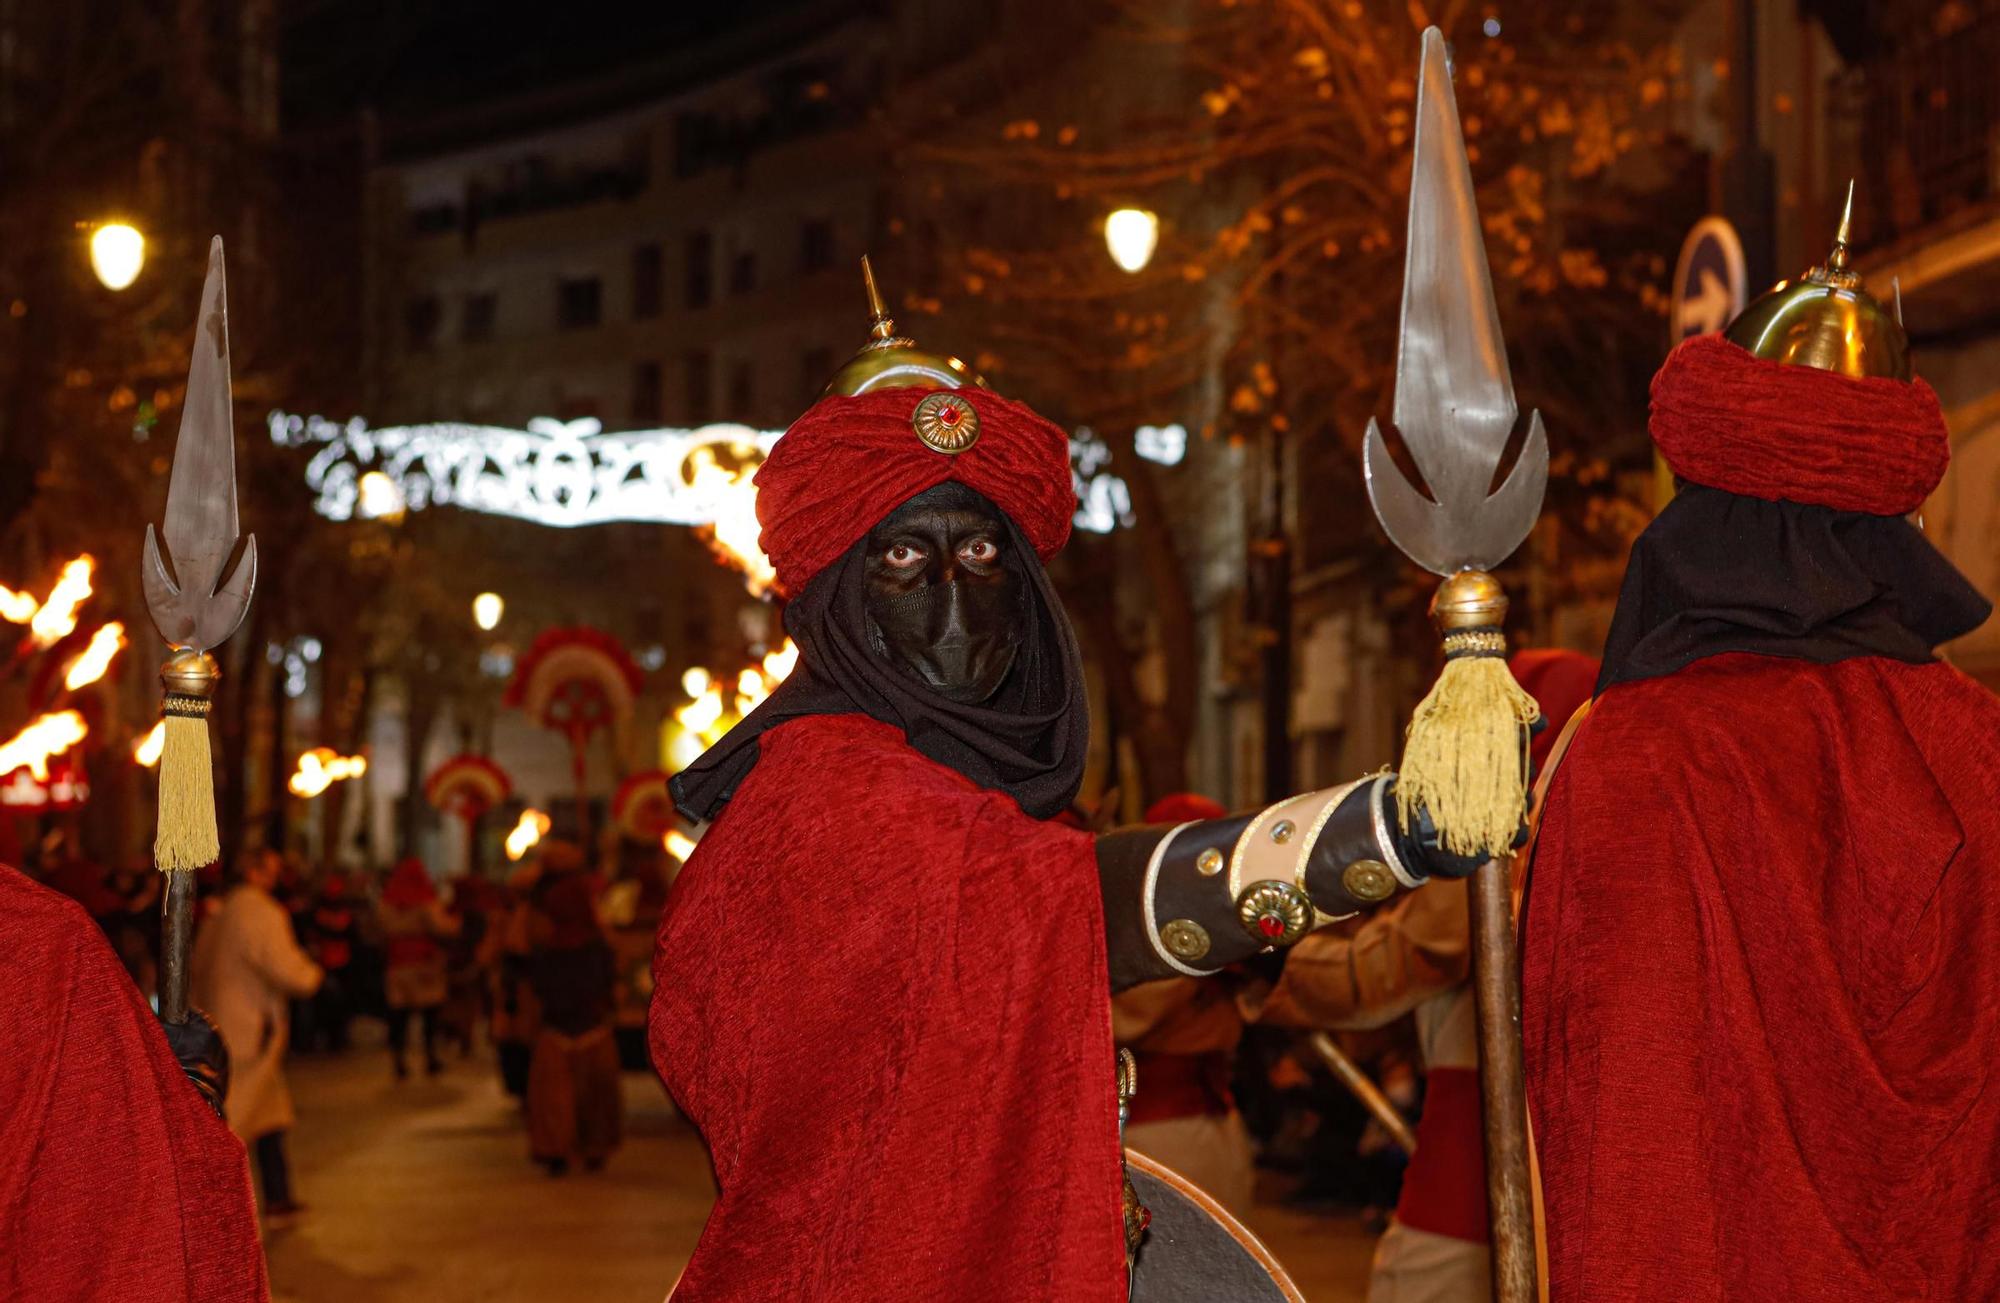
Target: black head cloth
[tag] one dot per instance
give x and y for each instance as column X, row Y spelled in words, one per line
column 1717, row 572
column 1028, row 741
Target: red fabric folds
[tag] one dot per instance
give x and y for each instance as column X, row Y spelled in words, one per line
column 116, row 1180
column 1728, row 419
column 880, row 992
column 850, row 461
column 1760, row 991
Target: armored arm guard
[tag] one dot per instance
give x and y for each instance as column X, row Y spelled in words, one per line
column 1191, row 900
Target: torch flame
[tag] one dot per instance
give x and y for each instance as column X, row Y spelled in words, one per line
column 146, row 751
column 40, row 742
column 733, row 533
column 17, row 608
column 704, row 720
column 57, row 616
column 679, row 844
column 322, row 767
column 526, row 833
column 91, row 663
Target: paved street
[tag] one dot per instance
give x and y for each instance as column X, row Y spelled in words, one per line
column 423, row 1191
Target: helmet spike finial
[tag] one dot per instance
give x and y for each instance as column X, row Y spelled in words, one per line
column 889, row 360
column 1837, row 260
column 879, row 324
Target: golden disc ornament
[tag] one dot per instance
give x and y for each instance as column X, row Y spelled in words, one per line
column 945, row 422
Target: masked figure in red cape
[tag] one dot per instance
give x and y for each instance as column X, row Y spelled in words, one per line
column 1761, row 1005
column 883, row 979
column 118, row 1178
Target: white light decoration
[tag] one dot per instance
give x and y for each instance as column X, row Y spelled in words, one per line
column 1131, row 234
column 117, row 254
column 570, row 473
column 487, row 608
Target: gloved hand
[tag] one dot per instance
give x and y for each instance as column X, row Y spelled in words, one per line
column 204, row 1058
column 1419, row 847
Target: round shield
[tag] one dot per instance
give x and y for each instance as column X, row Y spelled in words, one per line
column 1194, row 1251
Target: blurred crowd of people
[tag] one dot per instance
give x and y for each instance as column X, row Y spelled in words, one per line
column 550, row 968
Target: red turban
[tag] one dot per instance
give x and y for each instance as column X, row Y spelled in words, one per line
column 1560, row 682
column 850, row 461
column 1183, row 807
column 1730, row 420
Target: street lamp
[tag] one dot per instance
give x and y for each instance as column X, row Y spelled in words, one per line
column 1131, row 234
column 117, row 252
column 487, row 608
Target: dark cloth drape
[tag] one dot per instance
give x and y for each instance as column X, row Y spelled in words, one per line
column 1028, row 742
column 1717, row 572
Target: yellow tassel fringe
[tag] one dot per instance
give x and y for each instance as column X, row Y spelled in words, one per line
column 187, row 837
column 1465, row 757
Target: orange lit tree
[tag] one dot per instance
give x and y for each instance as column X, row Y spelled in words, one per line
column 1272, row 137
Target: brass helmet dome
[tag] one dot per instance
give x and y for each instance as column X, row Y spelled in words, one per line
column 1825, row 319
column 889, row 360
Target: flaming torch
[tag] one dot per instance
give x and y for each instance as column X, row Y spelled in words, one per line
column 733, row 506
column 322, row 767
column 533, row 826
column 96, row 657
column 40, row 742
column 146, row 751
column 56, row 618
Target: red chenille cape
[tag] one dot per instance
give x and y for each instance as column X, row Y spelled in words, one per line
column 1762, row 987
column 881, row 993
column 116, row 1180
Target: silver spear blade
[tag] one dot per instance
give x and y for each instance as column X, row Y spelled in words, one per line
column 1454, row 394
column 204, row 607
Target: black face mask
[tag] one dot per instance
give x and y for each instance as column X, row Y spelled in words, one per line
column 943, row 607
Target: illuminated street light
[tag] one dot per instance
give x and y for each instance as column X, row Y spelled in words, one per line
column 117, row 252
column 1131, row 234
column 380, row 498
column 487, row 608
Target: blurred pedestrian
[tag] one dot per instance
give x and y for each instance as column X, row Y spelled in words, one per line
column 414, row 924
column 332, row 936
column 575, row 1111
column 247, row 966
column 630, row 911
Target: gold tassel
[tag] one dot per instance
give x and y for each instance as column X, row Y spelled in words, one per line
column 1465, row 757
column 187, row 837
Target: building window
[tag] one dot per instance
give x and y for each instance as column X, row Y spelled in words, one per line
column 815, row 245
column 815, row 369
column 743, row 273
column 699, row 385
column 420, row 321
column 579, row 303
column 648, row 281
column 700, row 269
column 742, row 386
column 476, row 325
column 646, row 393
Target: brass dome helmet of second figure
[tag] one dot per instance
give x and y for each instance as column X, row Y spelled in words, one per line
column 1825, row 319
column 890, row 361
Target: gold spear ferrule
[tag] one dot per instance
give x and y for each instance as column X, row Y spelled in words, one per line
column 190, row 673
column 1470, row 599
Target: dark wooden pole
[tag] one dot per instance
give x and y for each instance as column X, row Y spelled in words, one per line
column 176, row 940
column 1503, row 1092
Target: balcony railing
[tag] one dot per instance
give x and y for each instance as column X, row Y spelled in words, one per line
column 1925, row 122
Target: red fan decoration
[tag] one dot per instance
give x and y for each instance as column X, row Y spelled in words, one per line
column 468, row 786
column 579, row 682
column 643, row 808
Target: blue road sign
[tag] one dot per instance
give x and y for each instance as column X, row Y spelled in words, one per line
column 1708, row 280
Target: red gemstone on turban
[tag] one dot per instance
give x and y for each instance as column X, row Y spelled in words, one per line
column 1271, row 925
column 1726, row 418
column 851, row 460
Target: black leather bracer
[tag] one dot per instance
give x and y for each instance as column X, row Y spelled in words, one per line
column 1193, row 899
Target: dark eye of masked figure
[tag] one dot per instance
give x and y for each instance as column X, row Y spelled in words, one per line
column 945, row 606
